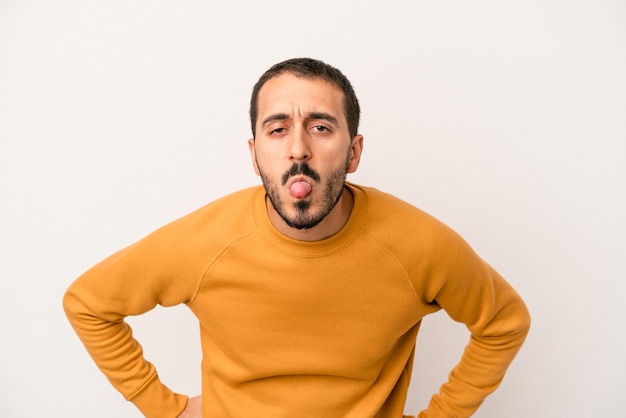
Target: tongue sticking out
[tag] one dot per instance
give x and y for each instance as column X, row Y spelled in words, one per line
column 300, row 189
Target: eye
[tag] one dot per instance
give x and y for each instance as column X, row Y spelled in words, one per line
column 320, row 128
column 277, row 131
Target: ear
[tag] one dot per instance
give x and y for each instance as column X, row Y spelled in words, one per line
column 252, row 150
column 356, row 148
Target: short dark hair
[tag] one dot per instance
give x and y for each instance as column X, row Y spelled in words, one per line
column 311, row 69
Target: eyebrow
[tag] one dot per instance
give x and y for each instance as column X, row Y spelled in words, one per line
column 273, row 118
column 323, row 116
column 312, row 115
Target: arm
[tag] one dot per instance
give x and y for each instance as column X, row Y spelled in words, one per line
column 130, row 282
column 474, row 293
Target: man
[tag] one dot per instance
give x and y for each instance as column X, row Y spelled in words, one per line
column 309, row 290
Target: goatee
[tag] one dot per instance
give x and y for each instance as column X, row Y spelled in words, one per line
column 303, row 218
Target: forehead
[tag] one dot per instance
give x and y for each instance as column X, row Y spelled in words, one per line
column 292, row 95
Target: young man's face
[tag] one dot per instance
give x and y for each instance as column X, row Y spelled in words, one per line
column 303, row 149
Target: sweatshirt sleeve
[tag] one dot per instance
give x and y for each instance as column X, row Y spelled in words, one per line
column 130, row 282
column 473, row 293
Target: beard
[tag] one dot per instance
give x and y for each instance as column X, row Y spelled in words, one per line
column 304, row 216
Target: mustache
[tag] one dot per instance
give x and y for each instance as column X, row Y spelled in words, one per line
column 303, row 169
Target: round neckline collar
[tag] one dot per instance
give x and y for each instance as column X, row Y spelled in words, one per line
column 335, row 242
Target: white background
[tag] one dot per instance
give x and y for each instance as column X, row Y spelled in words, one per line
column 507, row 120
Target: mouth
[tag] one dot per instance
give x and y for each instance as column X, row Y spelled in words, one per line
column 300, row 187
column 299, row 179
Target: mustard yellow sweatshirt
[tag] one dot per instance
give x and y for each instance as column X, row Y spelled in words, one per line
column 301, row 329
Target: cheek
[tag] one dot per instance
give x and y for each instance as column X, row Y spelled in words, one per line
column 264, row 160
column 268, row 168
column 266, row 155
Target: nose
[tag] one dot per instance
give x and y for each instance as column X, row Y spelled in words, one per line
column 299, row 149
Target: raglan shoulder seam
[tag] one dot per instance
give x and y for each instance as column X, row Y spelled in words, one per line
column 395, row 259
column 216, row 257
